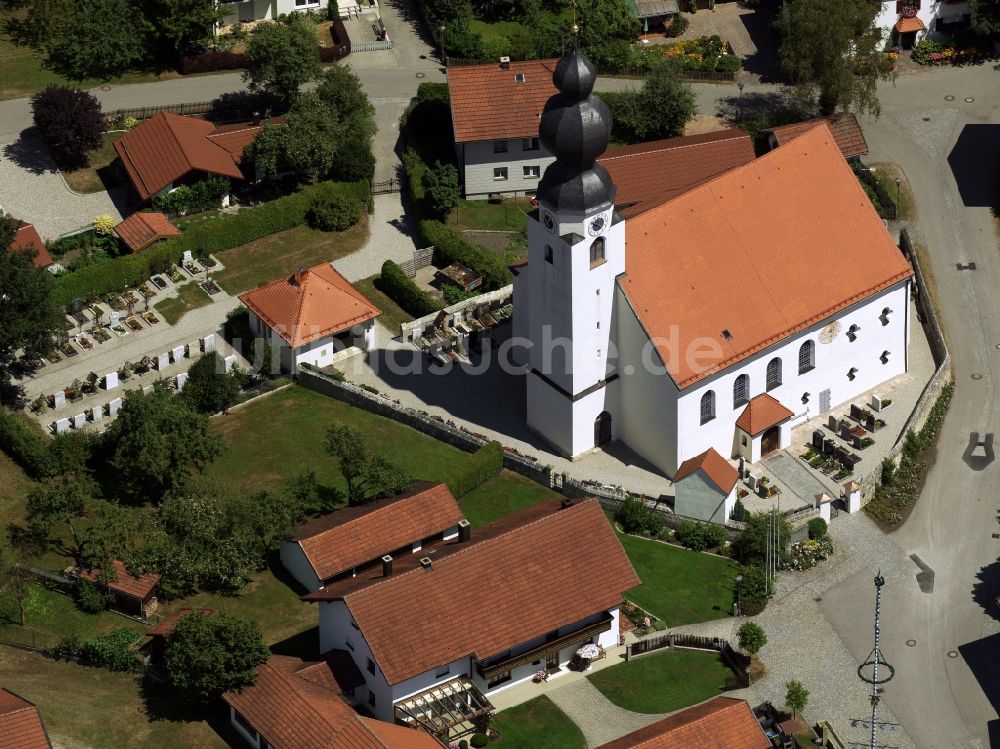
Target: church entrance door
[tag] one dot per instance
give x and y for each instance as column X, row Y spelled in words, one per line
column 602, row 429
column 770, row 441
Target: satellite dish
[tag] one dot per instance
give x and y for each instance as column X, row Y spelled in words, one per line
column 829, row 332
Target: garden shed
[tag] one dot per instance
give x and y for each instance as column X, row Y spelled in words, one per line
column 133, row 595
column 705, row 487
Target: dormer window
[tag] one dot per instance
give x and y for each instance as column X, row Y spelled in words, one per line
column 852, row 333
column 518, row 77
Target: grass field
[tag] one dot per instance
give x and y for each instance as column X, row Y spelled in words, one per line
column 189, row 296
column 255, row 263
column 537, row 724
column 680, row 586
column 508, row 215
column 392, row 314
column 99, row 174
column 507, row 493
column 663, row 682
column 14, row 487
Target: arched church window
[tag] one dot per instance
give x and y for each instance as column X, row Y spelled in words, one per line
column 773, row 373
column 807, row 357
column 741, row 391
column 708, row 406
column 597, row 252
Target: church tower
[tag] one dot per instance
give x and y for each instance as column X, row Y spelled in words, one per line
column 576, row 249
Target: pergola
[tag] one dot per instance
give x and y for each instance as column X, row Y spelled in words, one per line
column 441, row 709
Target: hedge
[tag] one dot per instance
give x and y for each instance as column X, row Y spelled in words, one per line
column 484, row 464
column 401, row 289
column 449, row 247
column 222, row 233
column 25, row 446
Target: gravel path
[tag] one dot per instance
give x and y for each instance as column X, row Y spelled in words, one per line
column 389, row 240
column 600, row 719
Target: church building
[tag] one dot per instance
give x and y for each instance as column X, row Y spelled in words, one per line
column 718, row 318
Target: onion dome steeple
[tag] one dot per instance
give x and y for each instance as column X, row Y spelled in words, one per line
column 575, row 128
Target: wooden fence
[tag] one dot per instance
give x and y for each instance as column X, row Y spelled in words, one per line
column 737, row 661
column 421, row 259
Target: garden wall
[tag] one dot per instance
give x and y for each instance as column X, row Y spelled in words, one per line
column 432, row 426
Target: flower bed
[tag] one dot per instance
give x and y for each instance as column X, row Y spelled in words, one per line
column 708, row 54
column 134, row 324
column 806, row 554
column 150, row 318
column 101, row 335
column 952, row 52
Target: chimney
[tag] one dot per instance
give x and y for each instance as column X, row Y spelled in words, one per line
column 425, row 562
column 464, row 531
column 567, row 502
column 505, row 63
column 298, row 277
column 387, row 565
column 256, row 118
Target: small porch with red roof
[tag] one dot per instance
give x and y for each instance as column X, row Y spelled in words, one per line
column 763, row 428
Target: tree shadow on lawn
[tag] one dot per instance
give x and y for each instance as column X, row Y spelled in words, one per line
column 766, row 61
column 163, row 704
column 30, row 153
column 753, row 103
column 304, row 645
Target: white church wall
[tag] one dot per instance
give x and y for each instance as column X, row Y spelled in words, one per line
column 833, row 361
column 647, row 399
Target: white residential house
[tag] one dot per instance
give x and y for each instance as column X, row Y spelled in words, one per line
column 906, row 22
column 477, row 616
column 313, row 317
column 663, row 323
column 248, row 11
column 353, row 540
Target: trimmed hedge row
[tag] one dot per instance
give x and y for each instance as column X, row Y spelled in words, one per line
column 449, row 247
column 222, row 233
column 401, row 289
column 25, row 446
column 484, row 464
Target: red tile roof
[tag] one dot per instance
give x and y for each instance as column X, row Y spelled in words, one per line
column 663, row 169
column 126, row 583
column 717, row 468
column 20, row 724
column 167, row 146
column 309, row 305
column 142, row 229
column 845, row 128
column 356, row 535
column 496, row 593
column 293, row 712
column 26, row 238
column 720, row 723
column 166, row 627
column 762, row 413
column 763, row 251
column 487, row 103
column 913, row 23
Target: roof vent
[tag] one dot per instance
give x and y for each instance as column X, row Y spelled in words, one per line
column 518, row 77
column 726, row 334
column 299, row 276
column 567, row 502
column 425, row 562
column 387, row 565
column 464, row 531
column 505, row 63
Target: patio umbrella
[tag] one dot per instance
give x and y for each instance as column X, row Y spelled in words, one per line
column 589, row 652
column 645, row 25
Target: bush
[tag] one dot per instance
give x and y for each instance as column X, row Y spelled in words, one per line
column 753, row 587
column 479, row 740
column 751, row 637
column 699, row 536
column 817, row 528
column 333, row 212
column 677, row 27
column 400, row 288
column 450, row 247
column 454, row 295
column 442, row 189
column 111, row 650
column 104, row 224
column 70, row 122
column 203, row 195
column 635, row 517
column 92, row 598
column 222, row 233
column 25, row 446
column 463, row 744
column 484, row 464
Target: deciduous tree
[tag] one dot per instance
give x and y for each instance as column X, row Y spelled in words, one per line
column 267, row 516
column 210, row 388
column 180, row 24
column 368, row 475
column 208, row 655
column 831, row 49
column 660, row 110
column 70, row 121
column 796, row 697
column 281, row 57
column 97, row 39
column 751, row 637
column 306, row 142
column 28, row 315
column 15, row 582
column 751, row 546
column 985, row 15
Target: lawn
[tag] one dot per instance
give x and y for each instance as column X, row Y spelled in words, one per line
column 189, row 296
column 680, row 586
column 507, row 215
column 14, row 487
column 502, row 495
column 276, row 255
column 99, row 174
column 886, row 174
column 392, row 314
column 663, row 682
column 91, row 707
column 537, row 724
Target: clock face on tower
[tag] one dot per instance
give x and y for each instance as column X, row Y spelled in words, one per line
column 596, row 225
column 548, row 222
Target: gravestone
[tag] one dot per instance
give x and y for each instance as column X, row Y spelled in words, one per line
column 162, row 361
column 62, row 425
column 147, row 390
column 58, row 399
column 79, row 420
column 114, row 406
column 876, row 403
column 208, row 343
column 178, row 353
column 113, row 318
column 845, row 433
column 186, row 259
column 817, row 442
column 110, row 380
column 752, row 482
column 855, row 413
column 181, row 379
column 828, row 446
column 833, row 423
column 96, row 414
column 230, row 363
